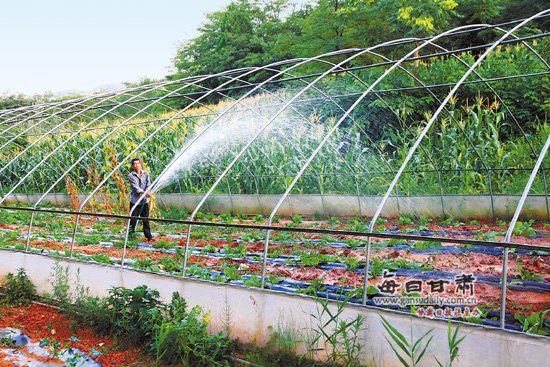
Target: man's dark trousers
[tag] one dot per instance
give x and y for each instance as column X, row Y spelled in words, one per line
column 142, row 210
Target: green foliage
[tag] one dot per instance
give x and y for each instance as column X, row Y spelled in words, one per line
column 378, row 266
column 225, row 218
column 132, row 312
column 404, row 221
column 258, row 218
column 422, row 19
column 253, row 281
column 524, row 229
column 339, row 333
column 180, row 337
column 453, row 344
column 297, row 219
column 312, row 289
column 18, row 289
column 59, row 281
column 56, row 346
column 411, row 351
column 424, row 245
column 534, row 323
column 529, row 275
column 163, row 244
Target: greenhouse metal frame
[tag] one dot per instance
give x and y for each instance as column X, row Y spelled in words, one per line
column 46, row 130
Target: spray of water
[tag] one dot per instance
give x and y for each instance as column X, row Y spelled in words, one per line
column 293, row 134
column 229, row 134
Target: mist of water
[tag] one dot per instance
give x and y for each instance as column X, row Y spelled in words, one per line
column 294, row 134
column 227, row 136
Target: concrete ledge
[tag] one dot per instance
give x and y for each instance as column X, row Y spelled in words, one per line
column 456, row 206
column 254, row 311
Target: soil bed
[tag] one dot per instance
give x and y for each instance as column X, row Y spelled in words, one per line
column 39, row 322
column 311, row 263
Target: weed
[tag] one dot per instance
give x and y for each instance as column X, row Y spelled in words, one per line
column 226, row 318
column 342, row 335
column 413, row 351
column 18, row 289
column 453, row 344
column 59, row 280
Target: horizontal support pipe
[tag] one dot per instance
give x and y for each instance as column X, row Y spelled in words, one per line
column 297, row 229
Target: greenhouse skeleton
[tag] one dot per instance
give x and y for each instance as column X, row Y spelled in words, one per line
column 41, row 124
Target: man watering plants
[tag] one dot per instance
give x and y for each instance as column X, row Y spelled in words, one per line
column 140, row 182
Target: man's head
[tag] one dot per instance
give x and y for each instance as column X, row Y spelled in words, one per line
column 136, row 164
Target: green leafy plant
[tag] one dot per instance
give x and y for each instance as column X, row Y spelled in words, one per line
column 453, row 344
column 284, row 236
column 315, row 286
column 425, row 245
column 296, row 219
column 253, row 281
column 241, row 217
column 404, row 221
column 424, row 220
column 352, row 242
column 412, row 351
column 59, row 281
column 528, row 275
column 230, row 274
column 225, row 218
column 524, row 229
column 258, row 218
column 210, row 217
column 395, row 242
column 534, row 323
column 55, row 345
column 272, row 279
column 163, row 244
column 200, row 235
column 342, row 335
column 132, row 312
column 352, row 263
column 18, row 289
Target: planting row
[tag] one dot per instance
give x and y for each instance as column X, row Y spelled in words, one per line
column 313, row 264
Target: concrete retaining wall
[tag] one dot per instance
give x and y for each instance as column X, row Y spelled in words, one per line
column 456, row 206
column 256, row 313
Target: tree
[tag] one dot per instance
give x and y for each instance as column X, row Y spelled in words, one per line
column 232, row 38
